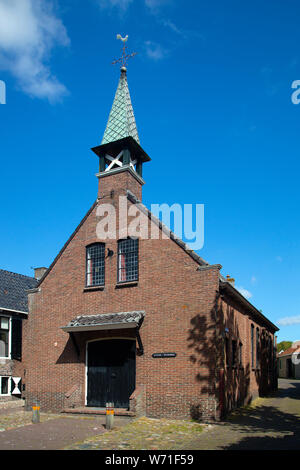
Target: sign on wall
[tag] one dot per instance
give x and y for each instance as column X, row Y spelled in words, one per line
column 163, row 355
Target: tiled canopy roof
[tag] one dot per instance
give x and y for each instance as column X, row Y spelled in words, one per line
column 121, row 121
column 105, row 321
column 13, row 291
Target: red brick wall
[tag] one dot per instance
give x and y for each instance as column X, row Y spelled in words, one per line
column 243, row 383
column 119, row 183
column 183, row 315
column 179, row 302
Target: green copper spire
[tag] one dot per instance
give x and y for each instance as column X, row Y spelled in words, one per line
column 120, row 149
column 121, row 121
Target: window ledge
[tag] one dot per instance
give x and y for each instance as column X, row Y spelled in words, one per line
column 126, row 284
column 93, row 288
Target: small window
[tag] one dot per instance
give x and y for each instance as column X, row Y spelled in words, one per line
column 4, row 336
column 4, row 385
column 257, row 348
column 95, row 265
column 241, row 354
column 252, row 346
column 128, row 260
column 227, row 351
column 270, row 350
column 234, row 353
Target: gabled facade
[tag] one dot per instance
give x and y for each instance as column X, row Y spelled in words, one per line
column 142, row 322
column 13, row 313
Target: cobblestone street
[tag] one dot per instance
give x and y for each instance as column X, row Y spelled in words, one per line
column 271, row 423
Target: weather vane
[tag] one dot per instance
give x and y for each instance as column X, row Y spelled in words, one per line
column 125, row 56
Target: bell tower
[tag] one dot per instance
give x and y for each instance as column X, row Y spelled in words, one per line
column 120, row 151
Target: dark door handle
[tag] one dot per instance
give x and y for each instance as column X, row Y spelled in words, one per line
column 113, row 375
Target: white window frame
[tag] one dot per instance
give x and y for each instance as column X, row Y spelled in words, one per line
column 9, row 386
column 9, row 337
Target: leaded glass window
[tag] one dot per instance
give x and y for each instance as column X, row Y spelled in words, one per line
column 128, row 260
column 95, row 265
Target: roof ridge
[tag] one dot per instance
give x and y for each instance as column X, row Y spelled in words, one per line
column 109, row 314
column 17, row 274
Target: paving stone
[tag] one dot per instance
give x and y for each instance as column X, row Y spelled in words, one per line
column 269, row 423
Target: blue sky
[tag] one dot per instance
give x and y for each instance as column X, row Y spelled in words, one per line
column 211, row 90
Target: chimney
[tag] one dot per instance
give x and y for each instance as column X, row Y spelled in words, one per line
column 39, row 273
column 230, row 279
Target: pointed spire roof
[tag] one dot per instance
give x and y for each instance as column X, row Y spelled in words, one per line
column 121, row 121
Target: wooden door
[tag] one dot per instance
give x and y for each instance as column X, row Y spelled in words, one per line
column 111, row 372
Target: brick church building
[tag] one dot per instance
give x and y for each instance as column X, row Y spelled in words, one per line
column 142, row 322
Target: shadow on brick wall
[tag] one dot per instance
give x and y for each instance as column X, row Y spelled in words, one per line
column 222, row 376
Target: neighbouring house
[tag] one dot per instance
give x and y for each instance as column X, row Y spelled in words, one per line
column 289, row 362
column 142, row 322
column 13, row 313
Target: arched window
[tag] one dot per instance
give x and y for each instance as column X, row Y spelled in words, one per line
column 95, row 265
column 128, row 260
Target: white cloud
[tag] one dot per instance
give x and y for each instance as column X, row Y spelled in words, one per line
column 154, row 5
column 155, row 51
column 29, row 30
column 244, row 292
column 170, row 24
column 122, row 4
column 286, row 321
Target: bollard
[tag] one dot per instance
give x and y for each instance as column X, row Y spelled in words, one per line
column 110, row 413
column 35, row 414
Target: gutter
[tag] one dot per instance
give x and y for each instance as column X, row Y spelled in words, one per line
column 2, row 309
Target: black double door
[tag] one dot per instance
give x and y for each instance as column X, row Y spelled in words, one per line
column 110, row 372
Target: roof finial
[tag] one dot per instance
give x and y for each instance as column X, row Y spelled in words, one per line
column 125, row 56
